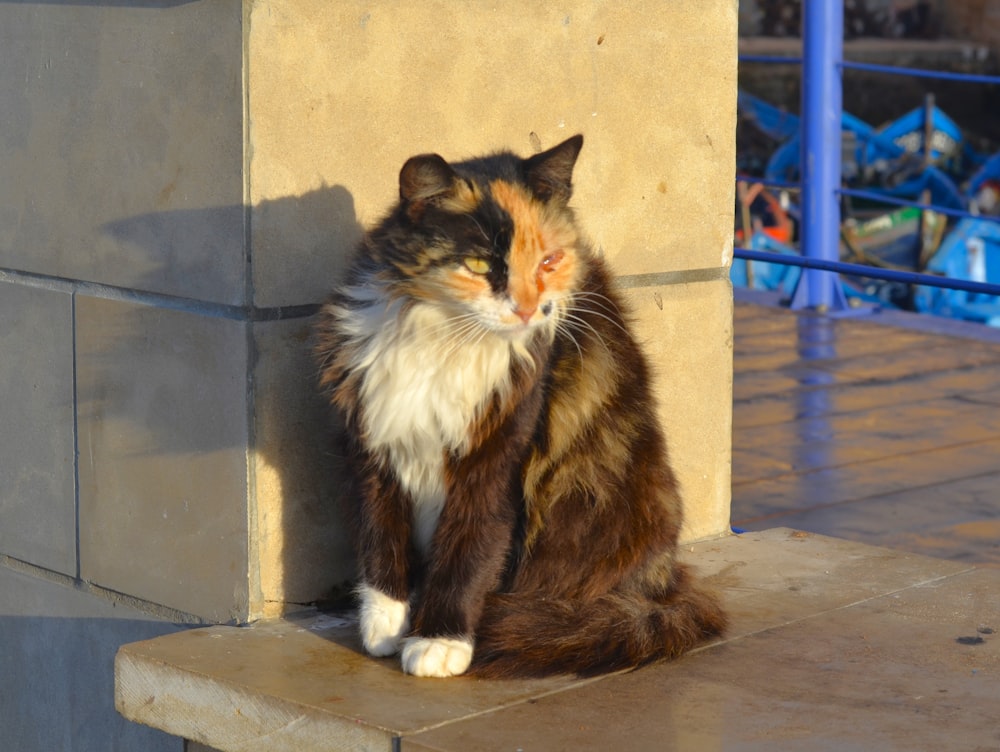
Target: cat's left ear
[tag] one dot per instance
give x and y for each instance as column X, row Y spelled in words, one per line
column 550, row 174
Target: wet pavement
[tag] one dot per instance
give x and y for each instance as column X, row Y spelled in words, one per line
column 863, row 429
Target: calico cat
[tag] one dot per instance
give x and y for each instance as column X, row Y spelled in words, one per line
column 516, row 513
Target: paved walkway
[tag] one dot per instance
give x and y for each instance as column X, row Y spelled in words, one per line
column 864, row 430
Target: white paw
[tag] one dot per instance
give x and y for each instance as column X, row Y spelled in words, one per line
column 436, row 656
column 384, row 621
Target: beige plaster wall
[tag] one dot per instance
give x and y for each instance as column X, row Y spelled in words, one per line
column 341, row 93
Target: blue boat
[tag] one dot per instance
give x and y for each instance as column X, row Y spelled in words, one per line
column 971, row 251
column 891, row 157
column 908, row 133
column 984, row 187
column 760, row 275
column 921, row 157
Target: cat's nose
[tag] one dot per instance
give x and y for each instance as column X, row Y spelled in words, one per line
column 525, row 314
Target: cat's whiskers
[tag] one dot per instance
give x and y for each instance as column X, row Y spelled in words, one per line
column 563, row 327
column 442, row 327
column 602, row 301
column 613, row 320
column 581, row 322
column 470, row 337
column 453, row 325
column 457, row 332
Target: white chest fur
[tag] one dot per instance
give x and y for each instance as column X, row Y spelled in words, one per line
column 424, row 382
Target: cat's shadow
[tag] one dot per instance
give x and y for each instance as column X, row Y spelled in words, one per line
column 174, row 383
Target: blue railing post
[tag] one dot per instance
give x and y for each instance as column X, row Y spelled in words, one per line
column 822, row 47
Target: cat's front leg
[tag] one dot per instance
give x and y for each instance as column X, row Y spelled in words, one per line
column 386, row 556
column 468, row 551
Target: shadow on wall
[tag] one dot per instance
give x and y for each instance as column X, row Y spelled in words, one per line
column 171, row 395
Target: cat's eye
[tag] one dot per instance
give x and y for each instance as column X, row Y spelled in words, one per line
column 550, row 261
column 476, row 265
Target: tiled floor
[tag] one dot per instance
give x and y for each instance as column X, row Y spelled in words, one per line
column 859, row 429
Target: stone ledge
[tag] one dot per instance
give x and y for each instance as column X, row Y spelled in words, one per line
column 303, row 684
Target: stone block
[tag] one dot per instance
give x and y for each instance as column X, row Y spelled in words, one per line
column 37, row 484
column 686, row 330
column 123, row 145
column 163, row 423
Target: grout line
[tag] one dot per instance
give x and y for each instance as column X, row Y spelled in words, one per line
column 768, row 305
column 848, row 379
column 573, row 684
column 166, row 613
column 76, row 432
column 278, row 313
column 256, row 597
column 834, row 609
column 680, row 277
column 158, row 300
column 966, row 400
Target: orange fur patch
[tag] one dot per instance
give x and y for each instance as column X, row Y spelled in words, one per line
column 538, row 257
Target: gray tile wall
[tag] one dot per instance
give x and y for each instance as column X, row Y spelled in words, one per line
column 37, row 483
column 120, row 130
column 162, row 401
column 129, row 340
column 124, row 287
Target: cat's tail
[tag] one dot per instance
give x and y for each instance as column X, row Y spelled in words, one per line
column 523, row 635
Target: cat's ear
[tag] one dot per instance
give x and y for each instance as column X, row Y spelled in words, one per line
column 550, row 173
column 428, row 178
column 425, row 176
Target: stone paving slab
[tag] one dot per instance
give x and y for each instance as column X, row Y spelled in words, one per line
column 767, row 499
column 304, row 684
column 904, row 671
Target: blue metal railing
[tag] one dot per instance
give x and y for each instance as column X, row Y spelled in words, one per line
column 819, row 164
column 874, row 272
column 920, row 72
column 883, row 198
column 820, row 168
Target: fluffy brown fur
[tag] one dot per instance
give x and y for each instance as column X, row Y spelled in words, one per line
column 515, row 506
